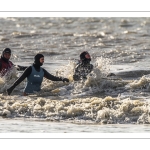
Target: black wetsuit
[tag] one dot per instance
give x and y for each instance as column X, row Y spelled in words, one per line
column 82, row 70
column 37, row 66
column 28, row 71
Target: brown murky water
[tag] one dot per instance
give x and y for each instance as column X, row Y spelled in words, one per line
column 99, row 104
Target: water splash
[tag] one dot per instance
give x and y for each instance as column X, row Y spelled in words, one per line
column 96, row 81
column 9, row 78
column 106, row 110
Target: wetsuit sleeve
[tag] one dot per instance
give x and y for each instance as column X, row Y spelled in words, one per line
column 76, row 70
column 76, row 75
column 49, row 76
column 25, row 74
column 91, row 68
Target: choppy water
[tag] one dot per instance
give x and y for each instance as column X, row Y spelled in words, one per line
column 117, row 45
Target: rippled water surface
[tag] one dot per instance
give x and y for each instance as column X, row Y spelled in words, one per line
column 99, row 104
column 34, row 126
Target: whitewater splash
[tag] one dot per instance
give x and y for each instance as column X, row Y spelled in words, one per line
column 96, row 81
column 77, row 101
column 106, row 110
column 9, row 78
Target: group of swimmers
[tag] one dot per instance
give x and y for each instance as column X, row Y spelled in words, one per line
column 35, row 73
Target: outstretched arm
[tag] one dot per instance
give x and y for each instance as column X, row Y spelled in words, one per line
column 49, row 76
column 21, row 68
column 26, row 73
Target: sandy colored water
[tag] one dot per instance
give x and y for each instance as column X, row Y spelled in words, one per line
column 35, row 126
column 119, row 45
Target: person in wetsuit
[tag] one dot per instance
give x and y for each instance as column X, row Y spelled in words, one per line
column 34, row 75
column 6, row 65
column 83, row 68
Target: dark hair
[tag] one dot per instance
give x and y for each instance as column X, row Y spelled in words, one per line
column 37, row 57
column 82, row 56
column 6, row 50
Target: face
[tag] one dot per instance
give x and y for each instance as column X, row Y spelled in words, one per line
column 87, row 56
column 7, row 55
column 42, row 60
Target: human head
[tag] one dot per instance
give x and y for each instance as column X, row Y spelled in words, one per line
column 39, row 59
column 6, row 53
column 85, row 57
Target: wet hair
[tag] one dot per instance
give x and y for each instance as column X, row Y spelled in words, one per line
column 37, row 59
column 83, row 58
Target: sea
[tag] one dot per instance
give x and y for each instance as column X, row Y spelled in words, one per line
column 115, row 97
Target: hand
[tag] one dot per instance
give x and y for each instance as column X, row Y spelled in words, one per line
column 20, row 68
column 111, row 74
column 9, row 91
column 65, row 80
